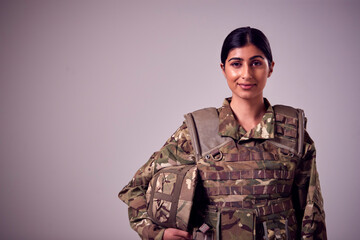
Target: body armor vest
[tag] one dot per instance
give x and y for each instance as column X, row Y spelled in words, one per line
column 248, row 184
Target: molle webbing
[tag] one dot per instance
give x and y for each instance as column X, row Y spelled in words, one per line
column 285, row 115
column 272, row 207
column 278, row 206
column 248, row 174
column 249, row 190
column 248, row 156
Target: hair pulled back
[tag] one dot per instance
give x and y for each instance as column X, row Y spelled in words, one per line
column 243, row 36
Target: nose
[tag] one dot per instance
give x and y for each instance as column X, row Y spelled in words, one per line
column 246, row 72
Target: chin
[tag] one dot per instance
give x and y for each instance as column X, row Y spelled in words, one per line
column 247, row 96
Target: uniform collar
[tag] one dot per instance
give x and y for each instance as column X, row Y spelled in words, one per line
column 229, row 126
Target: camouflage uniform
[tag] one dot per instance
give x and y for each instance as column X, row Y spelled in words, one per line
column 291, row 197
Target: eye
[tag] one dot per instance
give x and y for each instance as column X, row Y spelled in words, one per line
column 235, row 64
column 256, row 63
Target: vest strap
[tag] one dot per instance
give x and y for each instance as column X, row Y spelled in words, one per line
column 249, row 190
column 248, row 174
column 272, row 207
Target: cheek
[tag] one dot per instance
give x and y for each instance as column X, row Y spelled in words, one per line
column 262, row 76
column 231, row 76
column 262, row 83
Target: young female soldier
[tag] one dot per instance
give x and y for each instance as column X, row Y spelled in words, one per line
column 262, row 182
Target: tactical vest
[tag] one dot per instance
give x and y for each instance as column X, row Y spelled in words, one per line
column 247, row 185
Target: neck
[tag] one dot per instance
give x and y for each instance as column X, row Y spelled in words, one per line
column 248, row 112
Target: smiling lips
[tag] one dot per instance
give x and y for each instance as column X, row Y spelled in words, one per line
column 246, row 86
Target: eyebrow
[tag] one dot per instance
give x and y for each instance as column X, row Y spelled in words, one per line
column 240, row 59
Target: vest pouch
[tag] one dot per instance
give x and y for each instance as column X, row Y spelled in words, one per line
column 280, row 226
column 228, row 224
column 238, row 224
column 170, row 196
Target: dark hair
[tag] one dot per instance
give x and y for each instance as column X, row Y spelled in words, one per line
column 245, row 35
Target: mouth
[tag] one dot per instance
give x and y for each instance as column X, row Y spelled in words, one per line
column 246, row 86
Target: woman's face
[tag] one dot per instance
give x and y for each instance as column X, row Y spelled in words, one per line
column 246, row 70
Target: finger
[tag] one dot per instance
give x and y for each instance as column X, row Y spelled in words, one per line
column 176, row 234
column 182, row 234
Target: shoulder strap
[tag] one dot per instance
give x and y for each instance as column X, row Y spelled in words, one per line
column 203, row 127
column 301, row 123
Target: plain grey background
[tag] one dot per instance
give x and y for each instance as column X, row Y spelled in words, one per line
column 89, row 89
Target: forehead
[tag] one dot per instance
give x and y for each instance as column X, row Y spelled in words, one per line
column 245, row 52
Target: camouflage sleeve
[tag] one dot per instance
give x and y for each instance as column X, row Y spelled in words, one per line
column 176, row 151
column 307, row 196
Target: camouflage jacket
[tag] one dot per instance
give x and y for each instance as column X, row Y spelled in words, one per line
column 178, row 150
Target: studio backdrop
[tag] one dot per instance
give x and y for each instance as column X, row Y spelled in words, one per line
column 90, row 89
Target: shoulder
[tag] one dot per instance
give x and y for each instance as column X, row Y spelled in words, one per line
column 181, row 134
column 177, row 150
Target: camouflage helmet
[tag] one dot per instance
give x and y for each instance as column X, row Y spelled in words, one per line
column 170, row 196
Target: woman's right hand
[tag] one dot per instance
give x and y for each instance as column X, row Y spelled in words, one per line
column 176, row 234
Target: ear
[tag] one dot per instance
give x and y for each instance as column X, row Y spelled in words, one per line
column 271, row 69
column 222, row 66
